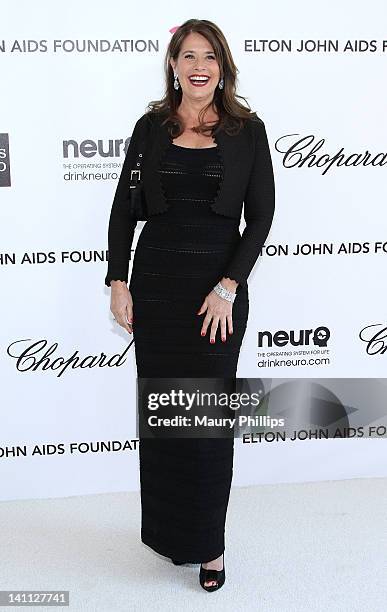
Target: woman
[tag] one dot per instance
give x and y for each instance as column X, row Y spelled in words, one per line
column 189, row 278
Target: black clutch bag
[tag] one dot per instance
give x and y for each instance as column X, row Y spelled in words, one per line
column 137, row 202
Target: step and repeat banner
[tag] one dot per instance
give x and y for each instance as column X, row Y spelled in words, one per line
column 75, row 79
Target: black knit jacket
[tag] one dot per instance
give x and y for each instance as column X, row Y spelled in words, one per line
column 247, row 182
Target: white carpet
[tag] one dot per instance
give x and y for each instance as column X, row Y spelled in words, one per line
column 312, row 547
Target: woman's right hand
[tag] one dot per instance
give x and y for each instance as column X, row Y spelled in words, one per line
column 121, row 304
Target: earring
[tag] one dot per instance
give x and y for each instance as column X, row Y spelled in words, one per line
column 176, row 82
column 221, row 83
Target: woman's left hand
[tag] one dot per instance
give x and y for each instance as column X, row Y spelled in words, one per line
column 218, row 310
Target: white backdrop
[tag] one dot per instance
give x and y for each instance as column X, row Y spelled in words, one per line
column 54, row 224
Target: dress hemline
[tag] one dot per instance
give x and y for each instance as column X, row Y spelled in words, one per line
column 165, row 551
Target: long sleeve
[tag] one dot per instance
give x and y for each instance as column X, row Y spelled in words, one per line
column 259, row 204
column 121, row 226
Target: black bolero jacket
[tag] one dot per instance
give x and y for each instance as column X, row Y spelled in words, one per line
column 247, row 178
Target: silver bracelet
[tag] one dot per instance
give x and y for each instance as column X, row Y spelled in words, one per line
column 224, row 293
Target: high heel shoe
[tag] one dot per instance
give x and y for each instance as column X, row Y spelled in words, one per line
column 208, row 575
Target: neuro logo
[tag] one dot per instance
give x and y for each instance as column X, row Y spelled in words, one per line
column 91, row 148
column 5, row 170
column 302, row 337
column 321, row 336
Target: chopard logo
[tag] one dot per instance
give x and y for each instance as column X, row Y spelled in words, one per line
column 375, row 339
column 306, row 151
column 34, row 357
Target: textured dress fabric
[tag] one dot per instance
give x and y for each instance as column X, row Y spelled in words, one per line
column 179, row 257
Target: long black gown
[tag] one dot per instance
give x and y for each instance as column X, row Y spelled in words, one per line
column 180, row 255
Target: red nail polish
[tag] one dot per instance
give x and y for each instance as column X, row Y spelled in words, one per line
column 203, row 334
column 212, row 341
column 223, row 339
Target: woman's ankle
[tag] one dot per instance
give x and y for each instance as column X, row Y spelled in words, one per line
column 216, row 564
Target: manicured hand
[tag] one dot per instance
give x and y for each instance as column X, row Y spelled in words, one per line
column 219, row 311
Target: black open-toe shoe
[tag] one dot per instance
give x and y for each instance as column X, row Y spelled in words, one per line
column 208, row 575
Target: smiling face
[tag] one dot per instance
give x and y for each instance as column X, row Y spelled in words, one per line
column 197, row 59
